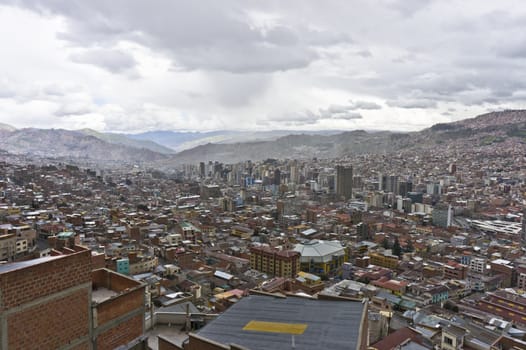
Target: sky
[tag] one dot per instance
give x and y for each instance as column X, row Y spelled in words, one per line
column 133, row 66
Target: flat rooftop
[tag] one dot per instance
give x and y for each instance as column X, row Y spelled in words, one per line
column 173, row 334
column 102, row 294
column 326, row 324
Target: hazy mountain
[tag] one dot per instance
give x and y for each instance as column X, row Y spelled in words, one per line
column 488, row 130
column 180, row 141
column 484, row 130
column 71, row 144
column 292, row 147
column 121, row 139
column 176, row 140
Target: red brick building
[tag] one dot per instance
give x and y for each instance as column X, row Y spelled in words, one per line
column 58, row 302
column 46, row 302
column 510, row 307
column 455, row 270
column 118, row 307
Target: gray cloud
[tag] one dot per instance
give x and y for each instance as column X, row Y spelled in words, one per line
column 365, row 105
column 408, row 7
column 237, row 90
column 364, row 53
column 114, row 61
column 346, row 111
column 212, row 36
column 326, row 38
column 412, row 104
column 347, row 116
column 334, row 112
column 73, row 109
column 250, row 59
column 235, row 60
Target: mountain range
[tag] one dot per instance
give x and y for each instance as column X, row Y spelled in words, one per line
column 179, row 141
column 167, row 149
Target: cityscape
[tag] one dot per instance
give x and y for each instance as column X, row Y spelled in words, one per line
column 407, row 248
column 251, row 176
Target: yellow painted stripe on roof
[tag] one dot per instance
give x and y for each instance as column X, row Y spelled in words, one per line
column 275, row 327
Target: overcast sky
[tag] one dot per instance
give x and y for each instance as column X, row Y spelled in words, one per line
column 132, row 66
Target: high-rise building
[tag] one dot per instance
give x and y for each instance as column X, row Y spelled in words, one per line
column 294, row 175
column 391, row 184
column 344, row 181
column 523, row 232
column 277, row 177
column 442, row 215
column 404, row 187
column 202, row 170
column 416, row 197
column 280, row 208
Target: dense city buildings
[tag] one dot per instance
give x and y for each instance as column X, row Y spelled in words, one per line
column 399, row 249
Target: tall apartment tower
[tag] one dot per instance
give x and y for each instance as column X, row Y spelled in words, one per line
column 523, row 232
column 344, row 181
column 277, row 177
column 202, row 170
column 391, row 184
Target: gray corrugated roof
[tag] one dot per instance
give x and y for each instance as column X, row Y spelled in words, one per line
column 330, row 324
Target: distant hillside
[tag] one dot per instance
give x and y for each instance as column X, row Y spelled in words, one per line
column 484, row 130
column 121, row 139
column 292, row 147
column 173, row 139
column 180, row 141
column 7, row 127
column 497, row 129
column 71, row 144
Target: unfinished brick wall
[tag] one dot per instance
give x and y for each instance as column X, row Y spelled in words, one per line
column 113, row 281
column 24, row 285
column 122, row 305
column 120, row 319
column 52, row 324
column 98, row 261
column 47, row 305
column 198, row 343
column 121, row 334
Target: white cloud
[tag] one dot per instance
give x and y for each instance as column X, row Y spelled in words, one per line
column 129, row 65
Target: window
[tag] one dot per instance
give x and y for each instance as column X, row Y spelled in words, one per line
column 448, row 340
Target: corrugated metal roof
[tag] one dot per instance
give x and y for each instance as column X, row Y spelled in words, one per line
column 318, row 249
column 223, row 275
column 330, row 324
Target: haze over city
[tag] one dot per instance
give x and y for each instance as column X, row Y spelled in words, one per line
column 135, row 66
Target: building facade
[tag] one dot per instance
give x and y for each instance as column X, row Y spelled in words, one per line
column 279, row 263
column 344, row 181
